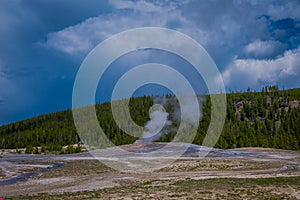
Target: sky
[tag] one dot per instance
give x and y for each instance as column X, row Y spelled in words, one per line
column 43, row 43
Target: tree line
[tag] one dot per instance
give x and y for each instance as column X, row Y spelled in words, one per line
column 269, row 118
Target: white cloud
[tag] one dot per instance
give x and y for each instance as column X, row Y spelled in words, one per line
column 252, row 72
column 223, row 29
column 212, row 25
column 70, row 41
column 264, row 49
column 289, row 9
column 81, row 38
column 135, row 5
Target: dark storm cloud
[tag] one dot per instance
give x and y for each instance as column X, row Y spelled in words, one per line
column 1, row 101
column 42, row 42
column 27, row 71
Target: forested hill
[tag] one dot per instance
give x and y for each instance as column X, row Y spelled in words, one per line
column 269, row 118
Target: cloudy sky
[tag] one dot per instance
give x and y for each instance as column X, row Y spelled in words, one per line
column 43, row 42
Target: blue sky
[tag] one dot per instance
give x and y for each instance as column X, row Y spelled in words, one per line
column 43, row 42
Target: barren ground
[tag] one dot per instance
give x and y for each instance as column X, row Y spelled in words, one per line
column 262, row 174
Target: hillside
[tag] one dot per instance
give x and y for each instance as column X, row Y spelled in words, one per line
column 269, row 118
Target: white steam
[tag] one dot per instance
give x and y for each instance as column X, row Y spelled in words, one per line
column 158, row 120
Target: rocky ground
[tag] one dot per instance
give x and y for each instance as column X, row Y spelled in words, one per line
column 248, row 173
